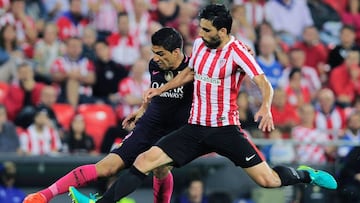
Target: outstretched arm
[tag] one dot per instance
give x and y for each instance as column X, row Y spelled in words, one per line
column 185, row 76
column 264, row 114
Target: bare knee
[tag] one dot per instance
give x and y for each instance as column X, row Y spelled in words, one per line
column 109, row 165
column 151, row 159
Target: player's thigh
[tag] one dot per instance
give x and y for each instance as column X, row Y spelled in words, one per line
column 231, row 142
column 134, row 144
column 109, row 165
column 184, row 144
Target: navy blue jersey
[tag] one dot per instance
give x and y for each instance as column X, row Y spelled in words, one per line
column 171, row 109
column 165, row 113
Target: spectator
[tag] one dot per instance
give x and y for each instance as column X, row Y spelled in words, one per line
column 242, row 29
column 309, row 78
column 89, row 39
column 23, row 95
column 347, row 43
column 56, row 8
column 40, row 138
column 246, row 116
column 125, row 46
column 349, row 177
column 108, row 74
column 265, row 29
column 77, row 140
column 288, row 18
column 309, row 149
column 285, row 116
column 351, row 17
column 140, row 21
column 9, row 140
column 255, row 12
column 72, row 22
column 166, row 11
column 279, row 152
column 339, row 6
column 48, row 98
column 10, row 53
column 131, row 89
column 75, row 74
column 345, row 79
column 9, row 193
column 326, row 20
column 104, row 16
column 330, row 118
column 352, row 134
column 47, row 50
column 297, row 93
column 268, row 61
column 194, row 192
column 25, row 26
column 315, row 52
column 36, row 10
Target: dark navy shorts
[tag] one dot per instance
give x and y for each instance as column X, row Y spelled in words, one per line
column 137, row 142
column 191, row 141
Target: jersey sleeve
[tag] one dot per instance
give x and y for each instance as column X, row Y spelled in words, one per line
column 245, row 60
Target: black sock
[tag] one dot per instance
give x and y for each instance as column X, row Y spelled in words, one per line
column 291, row 176
column 124, row 185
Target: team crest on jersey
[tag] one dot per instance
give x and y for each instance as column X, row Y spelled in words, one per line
column 222, row 62
column 169, row 75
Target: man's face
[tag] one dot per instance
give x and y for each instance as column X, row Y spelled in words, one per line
column 74, row 48
column 209, row 34
column 164, row 58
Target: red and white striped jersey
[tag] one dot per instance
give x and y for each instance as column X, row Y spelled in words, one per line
column 332, row 123
column 217, row 80
column 310, row 152
column 128, row 86
column 40, row 143
column 83, row 65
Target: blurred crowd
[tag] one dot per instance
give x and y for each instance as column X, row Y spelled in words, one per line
column 71, row 70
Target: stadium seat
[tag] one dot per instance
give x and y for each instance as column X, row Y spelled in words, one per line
column 64, row 114
column 98, row 118
column 4, row 87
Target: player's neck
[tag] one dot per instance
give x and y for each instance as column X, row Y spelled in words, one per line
column 224, row 42
column 178, row 61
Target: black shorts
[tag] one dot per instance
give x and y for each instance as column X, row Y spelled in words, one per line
column 191, row 141
column 137, row 142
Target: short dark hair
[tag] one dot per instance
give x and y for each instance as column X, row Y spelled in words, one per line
column 168, row 38
column 219, row 15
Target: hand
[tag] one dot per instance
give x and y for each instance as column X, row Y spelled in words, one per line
column 150, row 93
column 266, row 121
column 130, row 120
column 74, row 74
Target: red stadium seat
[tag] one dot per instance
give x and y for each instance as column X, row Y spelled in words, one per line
column 98, row 118
column 64, row 114
column 4, row 87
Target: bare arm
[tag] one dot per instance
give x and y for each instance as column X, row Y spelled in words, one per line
column 264, row 113
column 185, row 76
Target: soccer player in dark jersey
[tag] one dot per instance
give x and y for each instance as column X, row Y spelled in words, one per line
column 217, row 67
column 163, row 114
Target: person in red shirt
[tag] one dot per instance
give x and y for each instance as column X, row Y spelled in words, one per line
column 25, row 91
column 345, row 79
column 315, row 52
column 285, row 116
column 72, row 23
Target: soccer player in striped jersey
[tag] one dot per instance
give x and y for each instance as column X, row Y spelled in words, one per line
column 163, row 114
column 217, row 66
